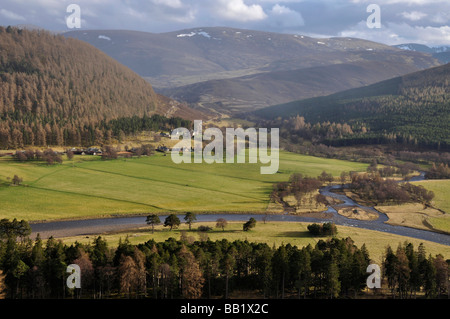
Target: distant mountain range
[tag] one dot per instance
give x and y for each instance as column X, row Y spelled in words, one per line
column 230, row 70
column 442, row 53
column 67, row 89
column 413, row 108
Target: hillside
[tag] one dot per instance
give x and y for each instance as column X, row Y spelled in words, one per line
column 414, row 108
column 189, row 56
column 62, row 88
column 261, row 90
column 441, row 53
column 258, row 68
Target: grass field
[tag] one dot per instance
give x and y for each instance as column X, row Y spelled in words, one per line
column 441, row 189
column 416, row 216
column 272, row 233
column 89, row 187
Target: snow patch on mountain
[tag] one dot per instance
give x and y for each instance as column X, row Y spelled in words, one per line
column 104, row 37
column 191, row 34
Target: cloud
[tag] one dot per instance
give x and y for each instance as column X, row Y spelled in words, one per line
column 407, row 2
column 399, row 33
column 402, row 20
column 413, row 16
column 284, row 17
column 169, row 3
column 11, row 15
column 237, row 10
column 441, row 17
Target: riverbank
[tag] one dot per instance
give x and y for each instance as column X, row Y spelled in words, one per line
column 414, row 215
column 357, row 213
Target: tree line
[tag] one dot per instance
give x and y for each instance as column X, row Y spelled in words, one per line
column 407, row 272
column 441, row 171
column 15, row 135
column 333, row 268
column 326, row 139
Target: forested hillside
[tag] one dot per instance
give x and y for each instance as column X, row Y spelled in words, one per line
column 412, row 109
column 57, row 91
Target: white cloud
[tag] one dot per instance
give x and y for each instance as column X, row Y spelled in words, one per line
column 441, row 17
column 237, row 10
column 407, row 2
column 282, row 1
column 281, row 10
column 281, row 16
column 424, row 20
column 414, row 15
column 169, row 3
column 399, row 33
column 11, row 15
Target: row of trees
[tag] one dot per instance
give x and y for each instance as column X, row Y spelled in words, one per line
column 408, row 271
column 48, row 155
column 173, row 221
column 402, row 169
column 14, row 135
column 297, row 130
column 441, row 171
column 178, row 269
column 388, row 155
column 422, row 157
column 51, row 157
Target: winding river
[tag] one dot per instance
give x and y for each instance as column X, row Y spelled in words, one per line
column 98, row 226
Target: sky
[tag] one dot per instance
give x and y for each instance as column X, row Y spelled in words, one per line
column 400, row 21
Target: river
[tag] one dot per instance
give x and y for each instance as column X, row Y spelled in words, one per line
column 100, row 225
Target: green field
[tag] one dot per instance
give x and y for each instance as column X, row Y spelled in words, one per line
column 441, row 200
column 441, row 190
column 89, row 187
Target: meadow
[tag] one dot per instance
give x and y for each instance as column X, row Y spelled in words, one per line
column 441, row 201
column 88, row 187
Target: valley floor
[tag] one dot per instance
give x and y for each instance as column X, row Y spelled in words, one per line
column 88, row 187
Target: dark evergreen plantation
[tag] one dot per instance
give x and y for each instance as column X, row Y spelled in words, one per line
column 333, row 268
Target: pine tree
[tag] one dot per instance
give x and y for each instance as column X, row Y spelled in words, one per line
column 192, row 279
